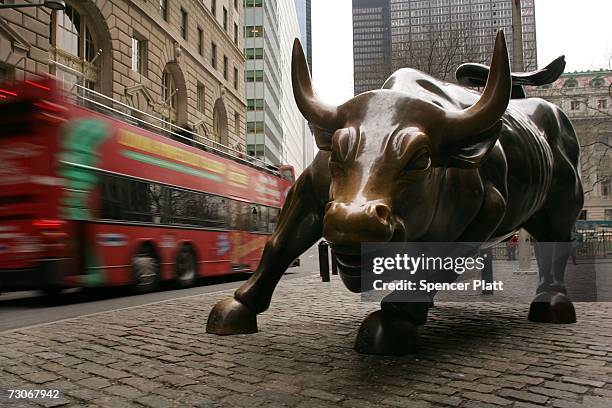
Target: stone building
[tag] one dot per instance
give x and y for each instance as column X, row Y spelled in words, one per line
column 181, row 61
column 586, row 98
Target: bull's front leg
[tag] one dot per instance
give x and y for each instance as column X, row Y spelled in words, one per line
column 299, row 227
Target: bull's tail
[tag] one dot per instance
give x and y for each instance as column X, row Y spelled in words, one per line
column 471, row 74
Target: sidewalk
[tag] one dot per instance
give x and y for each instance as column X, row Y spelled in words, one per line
column 473, row 355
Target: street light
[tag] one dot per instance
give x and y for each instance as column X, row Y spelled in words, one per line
column 50, row 4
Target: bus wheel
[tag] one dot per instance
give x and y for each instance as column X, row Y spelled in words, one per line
column 186, row 267
column 145, row 270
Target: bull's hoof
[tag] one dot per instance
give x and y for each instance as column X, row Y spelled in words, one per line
column 230, row 316
column 385, row 334
column 552, row 308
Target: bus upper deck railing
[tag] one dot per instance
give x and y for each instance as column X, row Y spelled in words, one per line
column 104, row 104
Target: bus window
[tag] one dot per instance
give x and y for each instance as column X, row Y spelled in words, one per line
column 212, row 211
column 273, row 219
column 263, row 219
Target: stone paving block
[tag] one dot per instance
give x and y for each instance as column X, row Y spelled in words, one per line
column 124, row 391
column 95, row 383
column 488, row 398
column 155, row 401
column 583, row 381
column 523, row 396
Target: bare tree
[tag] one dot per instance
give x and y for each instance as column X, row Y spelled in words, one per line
column 439, row 47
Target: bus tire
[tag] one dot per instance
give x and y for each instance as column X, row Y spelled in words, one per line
column 186, row 267
column 145, row 272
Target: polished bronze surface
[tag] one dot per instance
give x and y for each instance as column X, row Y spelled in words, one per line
column 423, row 160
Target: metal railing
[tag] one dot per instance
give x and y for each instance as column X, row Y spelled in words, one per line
column 104, row 104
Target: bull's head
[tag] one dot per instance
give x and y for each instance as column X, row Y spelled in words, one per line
column 388, row 148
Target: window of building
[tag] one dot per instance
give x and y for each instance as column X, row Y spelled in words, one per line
column 225, row 67
column 163, row 8
column 570, row 83
column 224, row 18
column 183, row 27
column 606, row 187
column 139, row 55
column 608, row 214
column 213, row 56
column 255, row 150
column 237, row 123
column 73, row 45
column 602, row 104
column 574, row 105
column 200, row 41
column 169, row 97
column 255, row 104
column 254, row 53
column 253, row 3
column 582, row 215
column 6, row 72
column 235, row 78
column 213, row 7
column 254, row 75
column 255, row 127
column 235, row 33
column 597, row 82
column 201, row 97
column 254, row 31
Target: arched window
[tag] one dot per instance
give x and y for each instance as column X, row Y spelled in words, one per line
column 570, row 83
column 169, row 97
column 598, row 82
column 73, row 48
column 220, row 123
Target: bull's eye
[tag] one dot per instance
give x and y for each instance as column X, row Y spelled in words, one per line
column 420, row 161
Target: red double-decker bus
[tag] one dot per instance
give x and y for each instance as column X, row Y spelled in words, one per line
column 89, row 199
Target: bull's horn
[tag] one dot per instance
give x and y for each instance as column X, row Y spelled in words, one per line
column 463, row 126
column 314, row 110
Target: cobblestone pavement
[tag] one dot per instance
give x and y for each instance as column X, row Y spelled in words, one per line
column 479, row 354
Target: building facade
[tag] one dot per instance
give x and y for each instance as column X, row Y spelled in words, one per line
column 180, row 61
column 275, row 129
column 586, row 98
column 303, row 9
column 371, row 44
column 434, row 36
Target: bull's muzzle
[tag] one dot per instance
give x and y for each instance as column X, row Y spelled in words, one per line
column 350, row 224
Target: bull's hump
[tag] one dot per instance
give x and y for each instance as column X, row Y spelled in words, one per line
column 423, row 86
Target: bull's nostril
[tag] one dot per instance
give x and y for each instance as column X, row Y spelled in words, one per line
column 383, row 212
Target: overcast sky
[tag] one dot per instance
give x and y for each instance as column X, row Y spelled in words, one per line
column 582, row 30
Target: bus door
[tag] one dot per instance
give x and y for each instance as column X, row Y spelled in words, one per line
column 239, row 224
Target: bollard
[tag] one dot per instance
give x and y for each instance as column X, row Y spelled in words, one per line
column 324, row 261
column 487, row 271
column 334, row 263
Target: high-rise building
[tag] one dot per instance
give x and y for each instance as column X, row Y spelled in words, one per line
column 371, row 44
column 434, row 36
column 303, row 9
column 275, row 127
column 179, row 61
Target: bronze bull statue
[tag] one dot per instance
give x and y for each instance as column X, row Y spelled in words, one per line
column 423, row 160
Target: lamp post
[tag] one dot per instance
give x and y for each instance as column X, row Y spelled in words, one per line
column 50, row 4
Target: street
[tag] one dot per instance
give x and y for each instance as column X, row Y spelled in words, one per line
column 24, row 309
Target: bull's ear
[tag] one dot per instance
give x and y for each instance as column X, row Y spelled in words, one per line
column 322, row 136
column 470, row 157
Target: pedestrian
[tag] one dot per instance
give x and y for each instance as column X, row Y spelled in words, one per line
column 511, row 245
